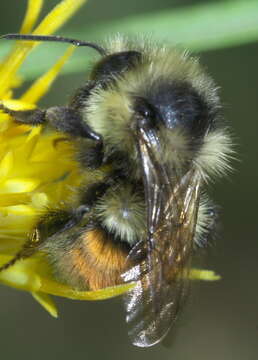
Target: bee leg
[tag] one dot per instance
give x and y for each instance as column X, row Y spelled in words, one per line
column 52, row 223
column 28, row 249
column 31, row 117
column 63, row 119
column 57, row 222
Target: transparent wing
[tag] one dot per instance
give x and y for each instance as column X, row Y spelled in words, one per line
column 172, row 203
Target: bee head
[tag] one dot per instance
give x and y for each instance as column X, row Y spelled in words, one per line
column 161, row 90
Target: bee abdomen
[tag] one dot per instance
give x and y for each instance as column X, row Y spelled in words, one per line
column 93, row 262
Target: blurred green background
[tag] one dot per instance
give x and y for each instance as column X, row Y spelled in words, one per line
column 220, row 321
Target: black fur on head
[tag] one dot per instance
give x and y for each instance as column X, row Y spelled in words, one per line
column 114, row 64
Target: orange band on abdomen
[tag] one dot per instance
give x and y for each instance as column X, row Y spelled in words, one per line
column 97, row 262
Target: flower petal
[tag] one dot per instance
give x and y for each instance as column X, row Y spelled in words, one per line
column 6, row 164
column 206, row 275
column 58, row 16
column 31, row 16
column 46, row 302
column 42, row 85
column 55, row 288
column 53, row 20
column 17, row 105
column 21, row 275
column 34, row 275
column 14, row 199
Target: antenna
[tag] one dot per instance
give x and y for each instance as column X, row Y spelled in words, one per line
column 53, row 38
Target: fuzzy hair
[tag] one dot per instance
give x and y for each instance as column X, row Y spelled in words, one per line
column 214, row 154
column 206, row 221
column 122, row 212
column 109, row 111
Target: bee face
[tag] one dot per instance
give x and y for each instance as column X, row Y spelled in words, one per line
column 146, row 126
column 165, row 88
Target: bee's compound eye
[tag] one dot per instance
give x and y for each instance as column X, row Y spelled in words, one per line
column 179, row 105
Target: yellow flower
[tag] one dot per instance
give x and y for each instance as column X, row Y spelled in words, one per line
column 36, row 170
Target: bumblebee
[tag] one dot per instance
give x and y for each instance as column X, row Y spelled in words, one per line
column 149, row 135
